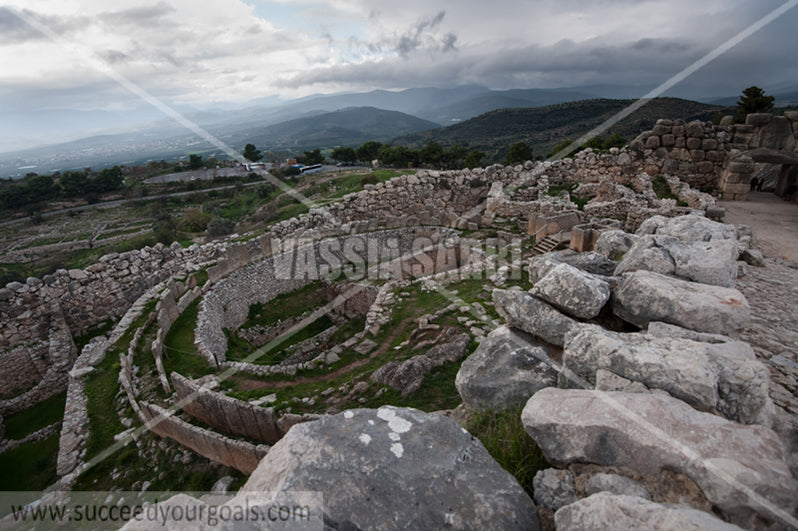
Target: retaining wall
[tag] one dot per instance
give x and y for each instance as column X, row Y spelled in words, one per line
column 240, row 455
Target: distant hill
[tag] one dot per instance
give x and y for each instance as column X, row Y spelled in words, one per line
column 352, row 126
column 544, row 127
column 495, row 99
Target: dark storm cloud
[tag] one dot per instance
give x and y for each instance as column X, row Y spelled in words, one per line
column 423, row 35
column 590, row 62
column 138, row 16
column 14, row 30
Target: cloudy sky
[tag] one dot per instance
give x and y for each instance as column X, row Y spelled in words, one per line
column 215, row 52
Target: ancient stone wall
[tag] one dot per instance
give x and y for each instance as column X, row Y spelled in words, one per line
column 230, row 415
column 240, row 455
column 103, row 290
column 227, row 303
column 52, row 364
column 708, row 156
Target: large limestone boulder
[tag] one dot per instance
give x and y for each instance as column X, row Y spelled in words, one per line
column 711, row 262
column 614, row 244
column 644, row 296
column 395, row 468
column 741, row 469
column 605, row 510
column 688, row 228
column 505, row 370
column 589, row 262
column 724, row 378
column 573, row 291
column 523, row 311
column 690, row 247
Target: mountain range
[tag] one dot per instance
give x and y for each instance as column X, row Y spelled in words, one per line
column 469, row 115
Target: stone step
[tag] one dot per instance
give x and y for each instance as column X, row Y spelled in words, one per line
column 545, row 245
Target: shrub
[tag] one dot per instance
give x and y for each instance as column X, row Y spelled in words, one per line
column 195, row 220
column 369, row 179
column 219, row 226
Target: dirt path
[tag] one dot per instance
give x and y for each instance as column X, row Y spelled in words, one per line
column 774, row 221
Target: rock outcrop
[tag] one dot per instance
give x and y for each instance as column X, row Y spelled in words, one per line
column 631, row 512
column 395, row 468
column 741, row 469
column 690, row 247
column 408, row 375
column 644, row 296
column 722, row 378
column 505, row 370
column 573, row 291
column 523, row 311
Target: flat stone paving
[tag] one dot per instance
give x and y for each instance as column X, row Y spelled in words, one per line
column 774, row 220
column 772, row 292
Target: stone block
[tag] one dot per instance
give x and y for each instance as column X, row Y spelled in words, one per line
column 709, row 144
column 758, row 119
column 693, row 143
column 696, row 154
column 653, row 142
column 660, row 130
column 705, row 167
column 715, row 156
column 678, row 130
column 695, row 129
column 668, row 140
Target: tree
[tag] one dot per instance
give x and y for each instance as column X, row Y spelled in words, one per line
column 368, row 151
column 108, row 180
column 345, row 155
column 431, row 154
column 519, row 153
column 194, row 161
column 753, row 100
column 474, row 159
column 219, row 226
column 313, row 157
column 74, row 183
column 251, row 153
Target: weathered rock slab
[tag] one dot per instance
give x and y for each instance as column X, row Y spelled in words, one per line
column 615, row 484
column 573, row 291
column 740, row 468
column 395, row 468
column 605, row 510
column 614, row 244
column 644, row 296
column 505, row 370
column 523, row 311
column 554, row 488
column 722, row 378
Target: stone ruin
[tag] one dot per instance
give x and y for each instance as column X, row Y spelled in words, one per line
column 600, row 333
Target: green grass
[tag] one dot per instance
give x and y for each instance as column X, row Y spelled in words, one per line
column 35, row 418
column 181, row 354
column 286, row 306
column 30, row 467
column 238, row 349
column 99, row 329
column 503, row 436
column 198, row 475
column 662, row 189
column 201, row 277
column 101, row 387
